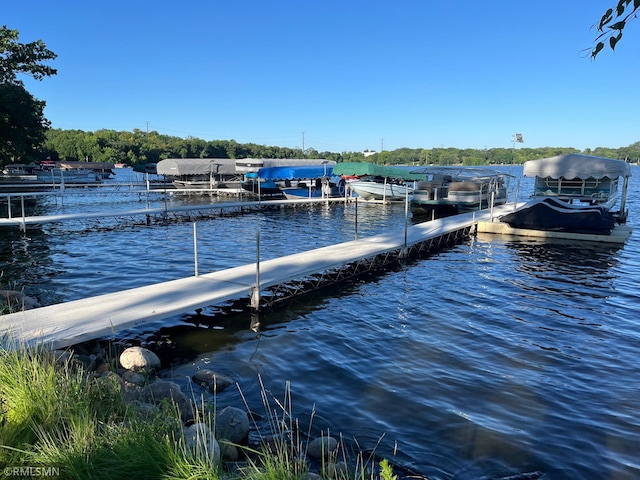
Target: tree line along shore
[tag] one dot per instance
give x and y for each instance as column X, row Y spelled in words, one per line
column 139, row 147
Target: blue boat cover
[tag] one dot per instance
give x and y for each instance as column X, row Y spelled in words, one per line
column 295, row 172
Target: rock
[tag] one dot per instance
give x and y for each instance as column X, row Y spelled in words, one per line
column 214, row 381
column 230, row 452
column 136, row 378
column 100, row 364
column 337, row 470
column 132, row 392
column 109, row 384
column 16, row 300
column 102, row 368
column 232, row 424
column 200, row 439
column 87, row 362
column 139, row 359
column 163, row 390
column 322, row 447
column 63, row 357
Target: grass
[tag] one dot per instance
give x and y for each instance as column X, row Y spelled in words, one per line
column 53, row 415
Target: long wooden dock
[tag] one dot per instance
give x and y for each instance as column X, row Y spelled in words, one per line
column 65, row 324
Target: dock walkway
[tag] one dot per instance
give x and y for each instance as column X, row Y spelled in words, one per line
column 23, row 221
column 62, row 325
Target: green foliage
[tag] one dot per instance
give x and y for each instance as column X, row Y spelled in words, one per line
column 140, row 147
column 54, row 415
column 386, row 472
column 22, row 123
column 612, row 23
column 16, row 57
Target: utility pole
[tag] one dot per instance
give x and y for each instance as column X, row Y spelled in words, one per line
column 303, row 144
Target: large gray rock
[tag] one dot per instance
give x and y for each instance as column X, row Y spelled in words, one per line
column 162, row 391
column 136, row 378
column 15, row 300
column 214, row 381
column 322, row 447
column 232, row 424
column 200, row 439
column 139, row 359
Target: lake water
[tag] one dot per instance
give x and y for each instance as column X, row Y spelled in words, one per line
column 487, row 359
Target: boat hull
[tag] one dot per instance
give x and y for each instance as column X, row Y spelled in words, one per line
column 265, row 187
column 381, row 191
column 205, row 184
column 296, row 193
column 553, row 215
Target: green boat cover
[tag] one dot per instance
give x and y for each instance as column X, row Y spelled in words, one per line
column 363, row 169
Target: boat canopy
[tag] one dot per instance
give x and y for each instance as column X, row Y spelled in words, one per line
column 196, row 166
column 362, row 169
column 86, row 165
column 246, row 165
column 296, row 172
column 575, row 165
column 466, row 173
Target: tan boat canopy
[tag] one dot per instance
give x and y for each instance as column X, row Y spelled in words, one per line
column 196, row 166
column 576, row 165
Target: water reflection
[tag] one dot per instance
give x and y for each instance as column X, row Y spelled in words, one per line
column 577, row 259
column 215, row 328
column 25, row 260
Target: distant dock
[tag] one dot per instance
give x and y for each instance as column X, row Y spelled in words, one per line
column 22, row 221
column 65, row 324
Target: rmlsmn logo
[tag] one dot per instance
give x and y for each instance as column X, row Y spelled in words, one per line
column 27, row 471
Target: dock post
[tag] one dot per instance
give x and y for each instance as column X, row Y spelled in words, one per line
column 61, row 187
column 493, row 200
column 148, row 185
column 195, row 248
column 623, row 200
column 23, row 226
column 255, row 290
column 356, row 222
column 404, row 252
column 254, row 326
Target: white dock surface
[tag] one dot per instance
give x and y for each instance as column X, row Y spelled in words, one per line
column 20, row 221
column 62, row 325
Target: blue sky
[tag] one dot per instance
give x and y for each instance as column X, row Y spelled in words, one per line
column 344, row 75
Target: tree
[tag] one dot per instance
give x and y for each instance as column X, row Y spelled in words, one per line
column 22, row 123
column 27, row 58
column 613, row 23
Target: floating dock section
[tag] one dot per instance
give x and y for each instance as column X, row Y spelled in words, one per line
column 62, row 325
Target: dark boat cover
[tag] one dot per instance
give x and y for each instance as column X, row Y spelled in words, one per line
column 553, row 215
